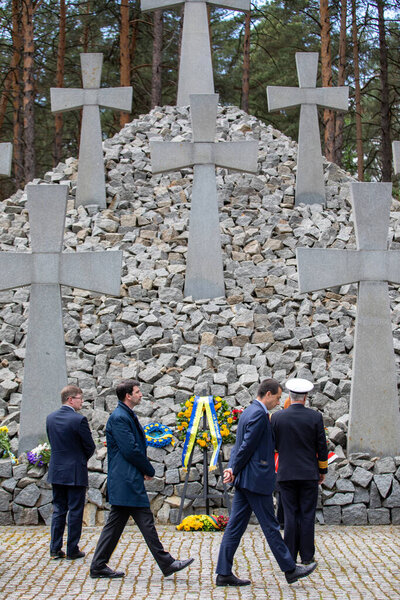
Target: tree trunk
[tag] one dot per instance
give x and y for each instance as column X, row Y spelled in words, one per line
column 18, row 158
column 135, row 27
column 86, row 29
column 341, row 81
column 246, row 63
column 60, row 83
column 326, row 72
column 5, row 96
column 385, row 111
column 125, row 66
column 157, row 58
column 28, row 93
column 359, row 140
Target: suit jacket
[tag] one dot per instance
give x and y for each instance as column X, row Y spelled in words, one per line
column 252, row 457
column 71, row 447
column 127, row 460
column 301, row 442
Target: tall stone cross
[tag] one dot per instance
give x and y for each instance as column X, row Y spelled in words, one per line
column 396, row 157
column 91, row 187
column 195, row 69
column 374, row 404
column 5, row 158
column 204, row 269
column 310, row 176
column 45, row 269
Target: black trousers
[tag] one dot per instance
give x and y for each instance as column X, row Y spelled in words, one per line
column 112, row 531
column 67, row 499
column 299, row 499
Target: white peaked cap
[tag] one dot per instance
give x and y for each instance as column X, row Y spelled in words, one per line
column 299, row 386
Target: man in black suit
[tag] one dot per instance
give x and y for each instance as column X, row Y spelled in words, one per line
column 128, row 468
column 303, row 461
column 71, row 447
column 252, row 470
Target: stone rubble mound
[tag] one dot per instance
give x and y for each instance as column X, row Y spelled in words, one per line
column 176, row 346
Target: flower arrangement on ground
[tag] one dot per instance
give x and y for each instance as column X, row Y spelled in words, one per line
column 39, row 456
column 5, row 447
column 226, row 419
column 203, row 523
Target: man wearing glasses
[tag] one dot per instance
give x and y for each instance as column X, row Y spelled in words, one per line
column 71, row 447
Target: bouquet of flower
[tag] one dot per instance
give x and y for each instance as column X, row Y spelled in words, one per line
column 226, row 418
column 5, row 448
column 39, row 456
column 203, row 523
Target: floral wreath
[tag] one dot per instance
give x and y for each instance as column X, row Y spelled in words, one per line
column 158, row 435
column 203, row 523
column 225, row 415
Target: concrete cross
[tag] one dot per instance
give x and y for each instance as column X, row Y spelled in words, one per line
column 91, row 180
column 310, row 176
column 204, row 270
column 5, row 159
column 45, row 269
column 374, row 405
column 396, row 157
column 195, row 69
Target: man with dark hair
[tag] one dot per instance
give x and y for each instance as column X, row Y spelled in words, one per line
column 252, row 470
column 303, row 461
column 128, row 468
column 71, row 447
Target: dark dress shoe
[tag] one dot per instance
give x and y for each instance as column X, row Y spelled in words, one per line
column 75, row 555
column 106, row 572
column 58, row 554
column 177, row 565
column 308, row 562
column 231, row 580
column 299, row 572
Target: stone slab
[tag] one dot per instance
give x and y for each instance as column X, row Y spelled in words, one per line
column 5, row 159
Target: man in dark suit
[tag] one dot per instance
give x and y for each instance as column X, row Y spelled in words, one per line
column 303, row 461
column 71, row 447
column 252, row 470
column 128, row 468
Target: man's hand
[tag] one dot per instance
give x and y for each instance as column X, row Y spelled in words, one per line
column 147, row 477
column 228, row 476
column 321, row 478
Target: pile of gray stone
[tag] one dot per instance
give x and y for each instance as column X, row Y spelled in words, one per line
column 176, row 346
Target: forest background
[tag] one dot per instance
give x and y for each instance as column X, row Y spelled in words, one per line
column 358, row 43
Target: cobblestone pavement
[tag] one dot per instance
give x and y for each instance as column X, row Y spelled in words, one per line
column 354, row 562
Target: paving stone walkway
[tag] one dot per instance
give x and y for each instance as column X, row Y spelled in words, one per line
column 359, row 563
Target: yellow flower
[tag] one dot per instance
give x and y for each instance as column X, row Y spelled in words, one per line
column 180, row 427
column 202, row 443
column 188, row 404
column 184, row 424
column 227, row 413
column 4, row 429
column 180, row 414
column 218, row 399
column 205, row 435
column 218, row 406
column 230, row 420
column 187, row 413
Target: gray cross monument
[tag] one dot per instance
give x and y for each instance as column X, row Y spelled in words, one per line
column 310, row 176
column 91, row 187
column 195, row 69
column 374, row 405
column 204, row 270
column 45, row 269
column 396, row 157
column 5, row 159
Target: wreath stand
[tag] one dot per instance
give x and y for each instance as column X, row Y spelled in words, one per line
column 206, row 493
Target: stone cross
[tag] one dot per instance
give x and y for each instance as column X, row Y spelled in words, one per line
column 91, row 180
column 45, row 269
column 310, row 176
column 195, row 69
column 374, row 405
column 204, row 269
column 396, row 157
column 5, row 159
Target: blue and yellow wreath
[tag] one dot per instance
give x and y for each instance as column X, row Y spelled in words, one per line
column 158, row 435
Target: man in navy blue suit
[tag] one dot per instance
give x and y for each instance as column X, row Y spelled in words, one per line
column 71, row 447
column 128, row 468
column 303, row 461
column 252, row 470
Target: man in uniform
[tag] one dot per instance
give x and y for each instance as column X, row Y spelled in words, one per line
column 303, row 461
